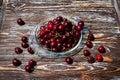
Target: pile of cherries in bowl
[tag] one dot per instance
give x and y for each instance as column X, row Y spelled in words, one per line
column 59, row 34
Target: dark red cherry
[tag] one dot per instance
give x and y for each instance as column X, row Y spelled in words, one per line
column 89, row 44
column 101, row 49
column 69, row 60
column 91, row 37
column 29, row 68
column 30, row 50
column 59, row 18
column 81, row 23
column 50, row 25
column 20, row 21
column 16, row 62
column 86, row 52
column 99, row 57
column 24, row 39
column 32, row 62
column 53, row 44
column 55, row 50
column 79, row 28
column 77, row 34
column 18, row 50
column 91, row 59
column 61, row 28
column 24, row 45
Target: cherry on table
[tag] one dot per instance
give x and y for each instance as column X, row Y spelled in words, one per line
column 89, row 44
column 16, row 62
column 24, row 45
column 29, row 68
column 91, row 59
column 32, row 62
column 91, row 37
column 30, row 50
column 18, row 50
column 69, row 60
column 24, row 39
column 99, row 57
column 20, row 21
column 86, row 52
column 101, row 49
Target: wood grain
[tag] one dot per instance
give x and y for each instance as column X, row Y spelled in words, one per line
column 101, row 18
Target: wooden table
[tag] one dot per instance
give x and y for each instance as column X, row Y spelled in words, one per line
column 101, row 16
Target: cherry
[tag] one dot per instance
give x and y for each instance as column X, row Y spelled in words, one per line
column 59, row 18
column 61, row 27
column 99, row 57
column 59, row 45
column 101, row 49
column 86, row 52
column 91, row 59
column 79, row 28
column 77, row 33
column 55, row 28
column 69, row 45
column 55, row 50
column 91, row 37
column 41, row 34
column 64, row 38
column 24, row 39
column 29, row 68
column 55, row 21
column 53, row 44
column 20, row 21
column 89, row 44
column 81, row 23
column 69, row 60
column 16, row 62
column 24, row 45
column 42, row 41
column 30, row 50
column 18, row 50
column 32, row 62
column 50, row 25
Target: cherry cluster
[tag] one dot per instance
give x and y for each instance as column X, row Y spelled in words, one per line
column 87, row 53
column 31, row 63
column 59, row 34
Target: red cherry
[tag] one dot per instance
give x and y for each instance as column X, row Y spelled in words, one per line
column 16, row 62
column 55, row 50
column 29, row 68
column 18, row 50
column 91, row 37
column 53, row 44
column 91, row 59
column 86, row 52
column 81, row 23
column 79, row 28
column 32, row 62
column 101, row 49
column 24, row 45
column 99, row 57
column 20, row 21
column 59, row 18
column 50, row 25
column 69, row 60
column 77, row 34
column 24, row 39
column 61, row 28
column 89, row 44
column 30, row 50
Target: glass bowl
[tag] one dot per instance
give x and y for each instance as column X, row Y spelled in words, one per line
column 43, row 52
